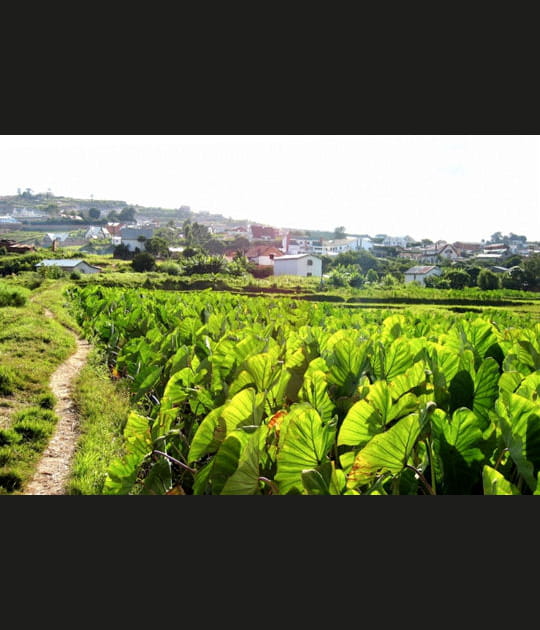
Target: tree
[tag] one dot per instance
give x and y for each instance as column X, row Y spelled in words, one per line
column 127, row 214
column 214, row 246
column 488, row 280
column 94, row 213
column 122, row 251
column 157, row 246
column 531, row 268
column 143, row 261
column 372, row 276
column 339, row 232
column 457, row 278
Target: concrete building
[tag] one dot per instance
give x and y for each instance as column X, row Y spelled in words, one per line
column 298, row 265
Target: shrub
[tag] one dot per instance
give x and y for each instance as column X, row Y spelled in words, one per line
column 173, row 269
column 7, row 381
column 488, row 280
column 9, row 436
column 10, row 481
column 13, row 295
column 33, row 430
column 47, row 401
column 143, row 261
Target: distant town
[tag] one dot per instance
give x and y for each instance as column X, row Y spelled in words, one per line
column 124, row 230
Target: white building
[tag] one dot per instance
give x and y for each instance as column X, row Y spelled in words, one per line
column 298, row 265
column 69, row 264
column 420, row 273
column 133, row 237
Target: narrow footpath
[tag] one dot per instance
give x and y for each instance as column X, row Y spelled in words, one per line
column 53, row 469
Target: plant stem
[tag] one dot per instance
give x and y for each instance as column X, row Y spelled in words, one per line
column 272, row 485
column 176, row 461
column 427, row 442
column 499, row 459
column 422, row 478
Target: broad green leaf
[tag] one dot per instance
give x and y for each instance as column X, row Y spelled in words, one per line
column 324, row 480
column 393, row 327
column 226, row 459
column 244, row 408
column 461, row 391
column 159, row 479
column 314, row 391
column 208, row 435
column 520, row 427
column 245, row 479
column 510, row 381
column 122, row 474
column 361, row 423
column 530, row 387
column 345, row 364
column 459, row 443
column 393, row 359
column 304, row 445
column 410, row 379
column 137, row 434
column 386, row 452
column 495, row 483
column 261, row 368
column 486, row 387
column 146, row 379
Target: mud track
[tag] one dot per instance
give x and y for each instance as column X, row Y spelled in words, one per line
column 54, row 466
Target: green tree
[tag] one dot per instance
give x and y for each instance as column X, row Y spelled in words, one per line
column 127, row 214
column 488, row 280
column 339, row 232
column 531, row 268
column 143, row 261
column 94, row 213
column 372, row 276
column 157, row 246
column 457, row 278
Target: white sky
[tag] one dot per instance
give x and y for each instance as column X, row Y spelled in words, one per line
column 449, row 187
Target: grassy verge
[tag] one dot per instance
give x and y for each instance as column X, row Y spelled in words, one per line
column 32, row 346
column 103, row 406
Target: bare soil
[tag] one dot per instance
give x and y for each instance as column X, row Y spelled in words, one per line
column 53, row 469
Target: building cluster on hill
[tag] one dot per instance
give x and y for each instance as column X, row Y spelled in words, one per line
column 293, row 252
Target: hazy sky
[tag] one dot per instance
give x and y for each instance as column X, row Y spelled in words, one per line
column 449, row 187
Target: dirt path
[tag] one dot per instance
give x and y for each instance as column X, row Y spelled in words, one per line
column 53, row 469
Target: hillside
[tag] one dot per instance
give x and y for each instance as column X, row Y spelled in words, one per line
column 46, row 206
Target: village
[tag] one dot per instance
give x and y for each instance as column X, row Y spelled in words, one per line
column 279, row 251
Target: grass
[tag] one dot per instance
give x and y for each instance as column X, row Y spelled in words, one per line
column 21, row 446
column 32, row 346
column 103, row 406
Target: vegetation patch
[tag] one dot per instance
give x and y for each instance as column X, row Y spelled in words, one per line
column 103, row 405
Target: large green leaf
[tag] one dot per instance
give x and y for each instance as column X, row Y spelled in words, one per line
column 304, row 445
column 477, row 391
column 414, row 377
column 520, row 427
column 386, row 452
column 243, row 409
column 486, row 387
column 314, row 391
column 208, row 436
column 459, row 444
column 245, row 479
column 159, row 479
column 324, row 480
column 226, row 459
column 495, row 483
column 346, row 363
column 390, row 360
column 122, row 474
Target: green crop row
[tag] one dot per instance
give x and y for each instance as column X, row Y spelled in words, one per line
column 270, row 395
